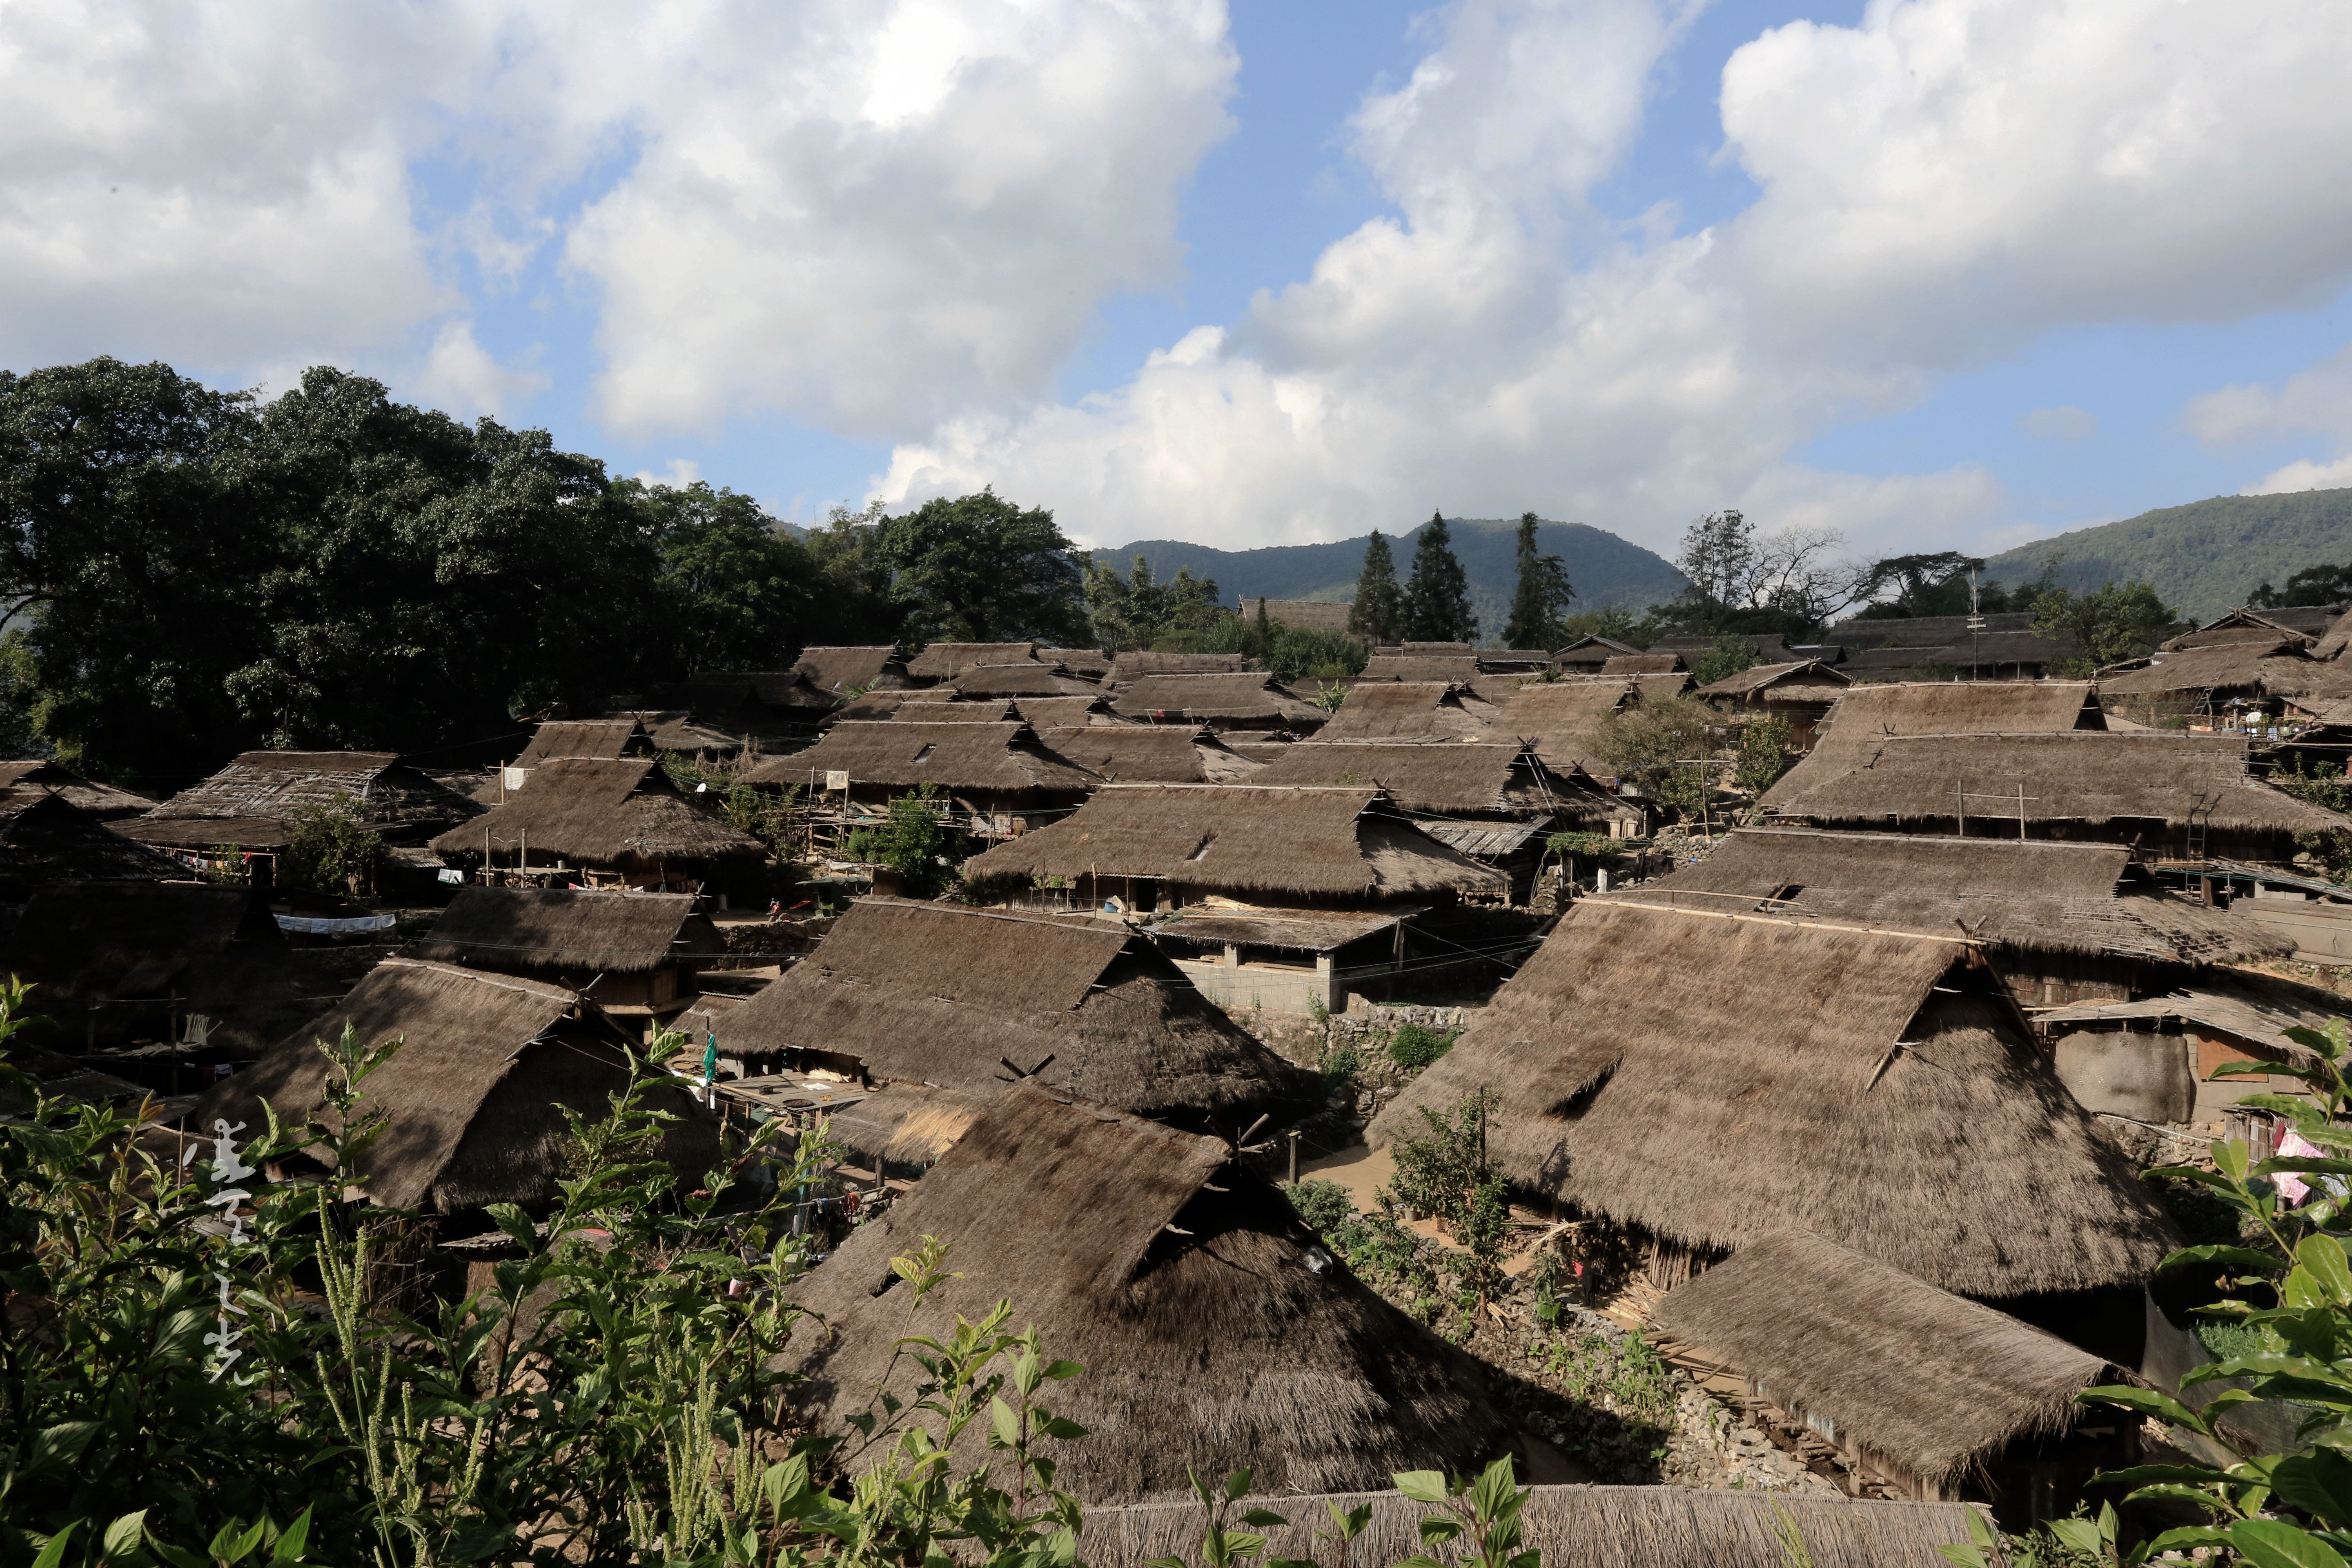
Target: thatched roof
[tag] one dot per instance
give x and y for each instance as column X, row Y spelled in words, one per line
column 45, row 840
column 2256, row 1009
column 2087, row 777
column 872, row 705
column 1443, row 780
column 472, row 1096
column 943, row 660
column 1305, row 614
column 1410, row 710
column 904, row 1124
column 1043, row 713
column 600, row 813
column 744, row 701
column 1716, row 1077
column 524, row 929
column 1808, row 679
column 1593, row 650
column 1420, row 667
column 2336, row 638
column 1129, row 667
column 978, row 710
column 2240, row 626
column 1149, row 753
column 1245, row 700
column 836, row 670
column 603, row 738
column 933, row 993
column 103, row 802
column 1215, row 1331
column 1500, row 689
column 1659, row 687
column 251, row 802
column 1562, row 719
column 1573, row 1527
column 1643, row 664
column 2037, row 895
column 2274, row 666
column 1936, row 1382
column 1029, row 680
column 1091, row 663
column 1865, row 715
column 217, row 948
column 1240, row 840
column 1001, row 758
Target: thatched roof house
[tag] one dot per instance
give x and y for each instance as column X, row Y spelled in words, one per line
column 1244, row 699
column 1589, row 655
column 1866, row 715
column 946, row 661
column 102, row 801
column 1800, row 692
column 1573, row 1527
column 1930, row 1394
column 1089, row 664
column 1129, row 668
column 2158, row 788
column 1562, row 719
column 125, row 962
column 1029, row 678
column 1043, row 713
column 745, row 705
column 2240, row 626
column 599, row 738
column 995, row 766
column 1420, row 667
column 1303, row 615
column 2152, row 1058
column 1410, row 710
column 473, row 1096
column 251, row 802
column 929, row 993
column 1216, row 1332
column 1643, row 664
column 2257, row 671
column 838, row 671
column 1472, row 779
column 1712, row 1079
column 45, row 840
column 1182, row 842
column 620, row 816
column 1149, row 753
column 633, row 954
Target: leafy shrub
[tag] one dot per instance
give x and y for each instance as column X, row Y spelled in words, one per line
column 1342, row 1064
column 1323, row 1205
column 910, row 841
column 1413, row 1048
column 1763, row 754
column 1654, row 745
column 1630, row 1378
column 333, row 851
column 1729, row 655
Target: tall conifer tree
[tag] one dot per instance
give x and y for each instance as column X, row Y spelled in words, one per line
column 1378, row 614
column 1542, row 597
column 1437, row 597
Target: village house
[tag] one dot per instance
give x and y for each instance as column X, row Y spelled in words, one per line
column 251, row 805
column 1128, row 667
column 601, row 739
column 1631, row 664
column 1043, row 713
column 946, row 661
column 1442, row 662
column 2151, row 1058
column 996, row 776
column 931, row 995
column 636, row 955
column 1149, row 753
column 45, row 840
column 839, row 671
column 608, row 823
column 1244, row 699
column 1591, row 654
column 1217, row 1330
column 1091, row 665
column 1562, row 720
column 476, row 1094
column 2242, row 670
column 1802, row 692
column 1030, row 678
column 102, row 803
column 1410, row 710
column 1865, row 716
column 1915, row 1392
column 1302, row 614
column 725, row 712
column 1890, row 1100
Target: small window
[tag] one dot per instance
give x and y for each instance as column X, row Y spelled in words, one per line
column 1200, row 852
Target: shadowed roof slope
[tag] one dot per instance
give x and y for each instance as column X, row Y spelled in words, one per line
column 1810, row 672
column 1248, row 696
column 1865, row 715
column 1043, row 713
column 1236, row 1344
column 603, row 811
column 1149, row 753
column 1129, row 667
column 602, row 738
column 2088, row 776
column 513, row 928
column 2035, row 894
column 1029, row 678
column 102, row 801
column 929, row 993
column 250, row 801
column 45, row 840
column 941, row 660
column 1714, row 1078
column 1420, row 667
column 901, row 753
column 1561, row 718
column 1466, row 777
column 835, row 670
column 1933, row 1382
column 1410, row 710
column 1243, row 839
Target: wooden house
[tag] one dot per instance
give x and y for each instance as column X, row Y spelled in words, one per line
column 1130, row 666
column 636, row 955
column 1865, row 716
column 251, row 805
column 600, row 738
column 45, row 840
column 2151, row 1058
column 1410, row 710
column 946, row 661
column 1589, row 655
column 986, row 771
column 1244, row 699
column 1562, row 720
column 2235, row 674
column 612, row 822
column 1030, row 678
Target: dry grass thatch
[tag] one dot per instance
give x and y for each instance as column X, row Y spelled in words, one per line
column 45, row 840
column 1643, row 664
column 471, row 1096
column 600, row 737
column 1244, row 699
column 1562, row 719
column 1468, row 779
column 2333, row 642
column 1576, row 1527
column 2240, row 626
column 945, row 661
column 1001, row 758
column 103, row 802
column 1713, row 1078
column 837, row 671
column 2035, row 895
column 1805, row 679
column 1303, row 615
column 1420, row 667
column 570, row 931
column 1936, row 1382
column 906, row 1123
column 1148, row 753
column 931, row 994
column 1866, row 715
column 1215, row 1331
column 610, row 813
column 1129, row 667
column 1030, row 678
column 2274, row 666
column 1042, row 713
column 978, row 710
column 1410, row 710
column 2086, row 776
column 250, row 802
column 1242, row 840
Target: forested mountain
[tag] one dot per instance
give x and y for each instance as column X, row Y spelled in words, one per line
column 1605, row 569
column 2204, row 558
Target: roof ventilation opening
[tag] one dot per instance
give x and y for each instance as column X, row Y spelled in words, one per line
column 925, row 755
column 1200, row 852
column 1788, row 892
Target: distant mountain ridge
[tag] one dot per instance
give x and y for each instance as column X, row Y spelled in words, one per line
column 1605, row 569
column 2204, row 558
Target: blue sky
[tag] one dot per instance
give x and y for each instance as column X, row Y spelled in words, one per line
column 1928, row 273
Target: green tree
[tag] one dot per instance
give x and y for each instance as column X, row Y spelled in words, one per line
column 1731, row 654
column 981, row 569
column 2116, row 622
column 1542, row 597
column 331, row 850
column 1378, row 615
column 738, row 590
column 2312, row 586
column 1437, row 595
column 858, row 602
column 1656, row 745
column 1765, row 751
column 911, row 840
column 1135, row 612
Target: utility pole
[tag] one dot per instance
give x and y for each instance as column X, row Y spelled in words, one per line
column 1975, row 625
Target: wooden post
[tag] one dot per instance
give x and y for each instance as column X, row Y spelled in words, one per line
column 1293, row 1154
column 2020, row 811
column 1960, row 803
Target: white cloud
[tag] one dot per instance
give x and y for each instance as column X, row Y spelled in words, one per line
column 2318, row 399
column 1939, row 183
column 2064, row 423
column 2303, row 474
column 465, row 378
column 682, row 472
